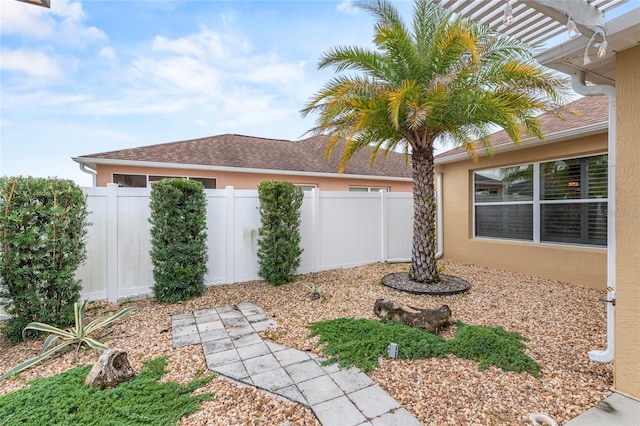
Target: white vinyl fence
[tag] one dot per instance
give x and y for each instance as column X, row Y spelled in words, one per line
column 338, row 229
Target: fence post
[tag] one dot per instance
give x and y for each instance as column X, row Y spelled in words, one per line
column 316, row 245
column 112, row 242
column 230, row 235
column 384, row 226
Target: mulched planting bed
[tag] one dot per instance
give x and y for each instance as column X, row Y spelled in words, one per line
column 562, row 321
column 448, row 284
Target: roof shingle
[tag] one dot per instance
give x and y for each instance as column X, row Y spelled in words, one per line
column 231, row 150
column 583, row 112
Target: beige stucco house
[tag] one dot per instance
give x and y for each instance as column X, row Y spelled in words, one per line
column 627, row 216
column 245, row 161
column 539, row 208
column 612, row 70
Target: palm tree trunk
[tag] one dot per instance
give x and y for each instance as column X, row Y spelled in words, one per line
column 423, row 256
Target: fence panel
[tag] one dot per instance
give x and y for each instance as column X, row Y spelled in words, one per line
column 93, row 272
column 338, row 229
column 135, row 276
column 216, row 236
column 351, row 231
column 245, row 236
column 399, row 226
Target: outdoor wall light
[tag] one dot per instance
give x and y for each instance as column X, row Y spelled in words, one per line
column 602, row 50
column 572, row 28
column 508, row 14
column 601, row 45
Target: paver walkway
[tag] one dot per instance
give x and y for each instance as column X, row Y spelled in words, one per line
column 233, row 348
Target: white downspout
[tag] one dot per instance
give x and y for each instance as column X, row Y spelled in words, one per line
column 92, row 172
column 439, row 215
column 579, row 86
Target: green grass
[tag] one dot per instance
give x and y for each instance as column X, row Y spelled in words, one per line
column 359, row 342
column 64, row 399
column 492, row 346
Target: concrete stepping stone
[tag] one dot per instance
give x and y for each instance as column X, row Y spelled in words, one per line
column 233, row 348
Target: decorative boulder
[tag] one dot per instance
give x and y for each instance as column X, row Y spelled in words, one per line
column 430, row 320
column 111, row 369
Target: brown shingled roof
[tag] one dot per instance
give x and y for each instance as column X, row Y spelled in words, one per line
column 231, row 150
column 584, row 112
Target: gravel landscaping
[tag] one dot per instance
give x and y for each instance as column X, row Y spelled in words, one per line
column 562, row 321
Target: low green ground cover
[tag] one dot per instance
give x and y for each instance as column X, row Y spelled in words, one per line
column 359, row 342
column 64, row 399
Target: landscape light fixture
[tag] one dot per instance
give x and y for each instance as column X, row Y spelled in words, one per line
column 508, row 14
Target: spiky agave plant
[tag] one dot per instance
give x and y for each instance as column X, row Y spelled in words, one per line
column 77, row 334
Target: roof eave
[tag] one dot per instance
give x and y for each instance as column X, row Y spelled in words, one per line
column 564, row 135
column 567, row 57
column 94, row 162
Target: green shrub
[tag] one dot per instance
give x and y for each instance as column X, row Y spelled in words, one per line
column 178, row 239
column 359, row 342
column 492, row 346
column 64, row 399
column 43, row 226
column 77, row 334
column 279, row 235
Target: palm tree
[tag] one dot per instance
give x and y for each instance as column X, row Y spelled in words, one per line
column 443, row 77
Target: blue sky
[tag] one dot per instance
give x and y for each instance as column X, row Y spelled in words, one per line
column 100, row 75
column 93, row 76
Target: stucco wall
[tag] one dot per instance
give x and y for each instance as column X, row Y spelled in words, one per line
column 251, row 180
column 627, row 311
column 581, row 265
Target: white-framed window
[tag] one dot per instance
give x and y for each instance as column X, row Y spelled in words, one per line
column 561, row 201
column 142, row 181
column 368, row 188
column 306, row 186
column 130, row 181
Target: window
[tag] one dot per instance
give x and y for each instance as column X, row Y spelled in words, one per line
column 573, row 201
column 367, row 189
column 561, row 201
column 208, row 183
column 504, row 202
column 140, row 181
column 130, row 181
column 306, row 186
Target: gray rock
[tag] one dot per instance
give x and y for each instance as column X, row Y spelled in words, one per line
column 111, row 369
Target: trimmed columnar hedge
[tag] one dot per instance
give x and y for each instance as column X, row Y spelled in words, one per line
column 178, row 239
column 279, row 235
column 43, row 227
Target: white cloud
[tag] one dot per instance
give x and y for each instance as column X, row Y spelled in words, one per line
column 62, row 24
column 26, row 20
column 346, row 6
column 214, row 80
column 108, row 53
column 205, row 44
column 33, row 63
column 135, row 103
column 38, row 101
column 180, row 73
column 276, row 73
